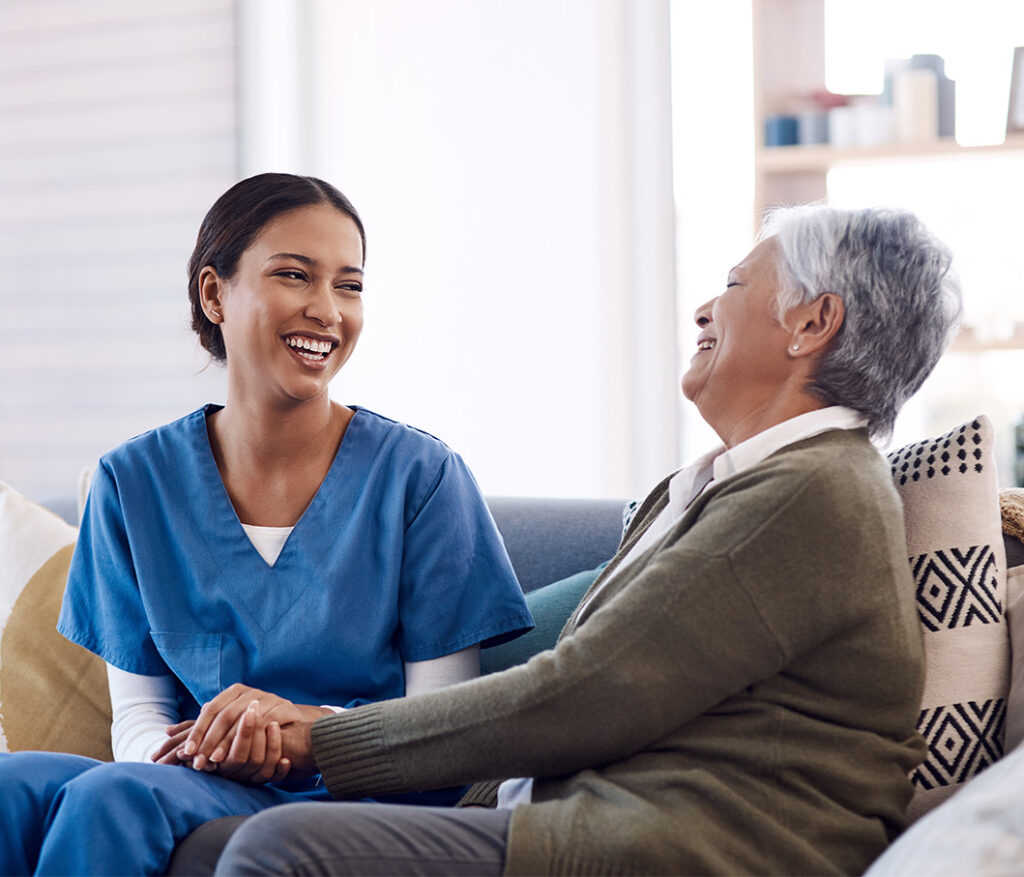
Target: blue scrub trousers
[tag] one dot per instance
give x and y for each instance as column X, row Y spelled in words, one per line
column 65, row 814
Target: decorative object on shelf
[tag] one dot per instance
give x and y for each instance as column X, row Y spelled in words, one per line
column 864, row 122
column 780, row 130
column 917, row 105
column 922, row 96
column 812, row 127
column 1015, row 113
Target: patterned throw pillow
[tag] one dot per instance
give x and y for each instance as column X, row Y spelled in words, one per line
column 53, row 694
column 950, row 499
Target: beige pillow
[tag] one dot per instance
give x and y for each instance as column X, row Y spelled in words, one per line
column 53, row 694
column 950, row 498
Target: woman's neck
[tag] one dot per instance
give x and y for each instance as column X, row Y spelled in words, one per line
column 749, row 423
column 273, row 462
column 244, row 430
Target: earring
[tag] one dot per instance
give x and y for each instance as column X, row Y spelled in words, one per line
column 215, row 316
column 795, row 348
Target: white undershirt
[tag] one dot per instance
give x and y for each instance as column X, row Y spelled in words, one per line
column 686, row 485
column 143, row 706
column 268, row 541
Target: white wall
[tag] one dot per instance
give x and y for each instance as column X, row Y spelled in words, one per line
column 512, row 163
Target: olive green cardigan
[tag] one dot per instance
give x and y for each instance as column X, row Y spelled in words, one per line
column 740, row 699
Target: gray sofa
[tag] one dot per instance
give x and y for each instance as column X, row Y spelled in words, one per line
column 550, row 539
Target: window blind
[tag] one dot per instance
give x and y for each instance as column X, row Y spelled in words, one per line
column 118, row 129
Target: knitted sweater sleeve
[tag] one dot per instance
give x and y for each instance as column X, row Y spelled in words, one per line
column 695, row 620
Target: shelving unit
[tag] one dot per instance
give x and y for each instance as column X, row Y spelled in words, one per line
column 789, row 63
column 789, row 60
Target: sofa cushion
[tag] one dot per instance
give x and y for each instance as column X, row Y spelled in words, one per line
column 950, row 497
column 53, row 694
column 1011, row 504
column 550, row 607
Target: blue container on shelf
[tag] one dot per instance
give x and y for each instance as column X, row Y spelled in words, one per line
column 780, row 131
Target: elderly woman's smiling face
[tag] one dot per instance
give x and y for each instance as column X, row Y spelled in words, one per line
column 743, row 363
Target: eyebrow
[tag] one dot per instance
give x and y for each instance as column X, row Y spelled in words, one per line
column 306, row 260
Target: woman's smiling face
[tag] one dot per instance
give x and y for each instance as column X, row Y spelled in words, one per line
column 741, row 362
column 292, row 313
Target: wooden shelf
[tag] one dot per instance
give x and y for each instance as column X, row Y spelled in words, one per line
column 800, row 159
column 971, row 340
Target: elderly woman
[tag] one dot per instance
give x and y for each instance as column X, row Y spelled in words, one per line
column 738, row 691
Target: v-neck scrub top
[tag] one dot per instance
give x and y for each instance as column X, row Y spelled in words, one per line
column 396, row 559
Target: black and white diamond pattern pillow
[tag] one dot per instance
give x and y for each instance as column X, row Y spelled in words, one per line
column 950, row 499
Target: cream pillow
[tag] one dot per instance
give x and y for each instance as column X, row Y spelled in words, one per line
column 950, row 499
column 53, row 694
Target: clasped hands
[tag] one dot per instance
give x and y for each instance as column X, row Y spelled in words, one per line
column 247, row 735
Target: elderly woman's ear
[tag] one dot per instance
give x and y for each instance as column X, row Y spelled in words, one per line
column 814, row 324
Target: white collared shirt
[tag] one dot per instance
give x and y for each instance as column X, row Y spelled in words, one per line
column 687, row 484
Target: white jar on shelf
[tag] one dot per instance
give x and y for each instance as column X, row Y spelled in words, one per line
column 915, row 105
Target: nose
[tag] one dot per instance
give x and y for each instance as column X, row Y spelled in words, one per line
column 322, row 305
column 702, row 316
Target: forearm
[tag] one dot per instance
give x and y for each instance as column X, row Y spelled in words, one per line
column 631, row 673
column 142, row 707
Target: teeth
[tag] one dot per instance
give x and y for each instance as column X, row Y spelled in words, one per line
column 309, row 344
column 706, row 344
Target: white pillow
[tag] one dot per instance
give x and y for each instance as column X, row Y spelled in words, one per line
column 979, row 832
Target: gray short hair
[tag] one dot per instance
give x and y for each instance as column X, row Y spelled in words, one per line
column 901, row 300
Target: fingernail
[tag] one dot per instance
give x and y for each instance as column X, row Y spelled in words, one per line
column 254, row 706
column 190, row 747
column 218, row 755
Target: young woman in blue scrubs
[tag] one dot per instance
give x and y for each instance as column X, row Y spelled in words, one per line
column 279, row 557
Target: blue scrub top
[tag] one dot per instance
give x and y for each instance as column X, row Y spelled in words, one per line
column 396, row 559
